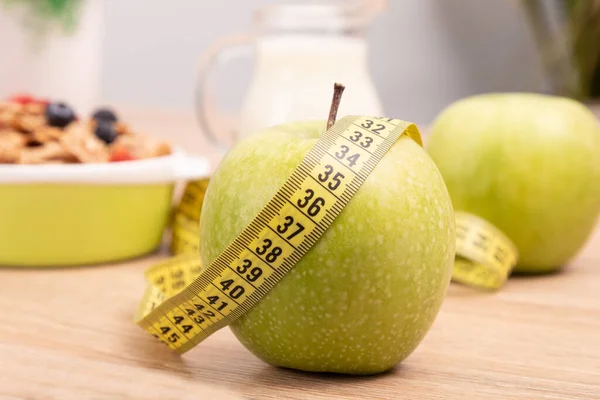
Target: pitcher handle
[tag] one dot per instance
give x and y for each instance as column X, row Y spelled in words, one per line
column 220, row 52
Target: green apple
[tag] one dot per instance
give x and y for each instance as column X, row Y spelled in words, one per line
column 529, row 164
column 366, row 293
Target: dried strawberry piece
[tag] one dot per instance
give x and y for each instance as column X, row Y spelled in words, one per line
column 28, row 99
column 22, row 99
column 121, row 154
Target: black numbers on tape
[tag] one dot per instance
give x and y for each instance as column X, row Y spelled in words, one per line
column 367, row 142
column 336, row 180
column 244, row 267
column 309, row 195
column 226, row 284
column 342, row 155
column 500, row 255
column 173, row 337
column 178, row 320
column 289, row 221
column 315, row 206
column 353, row 159
column 235, row 292
column 262, row 250
column 273, row 254
column 364, row 143
column 177, row 274
column 178, row 285
column 481, row 241
column 356, row 137
column 368, row 125
column 192, row 314
column 254, row 273
column 212, row 300
column 378, row 128
column 201, row 308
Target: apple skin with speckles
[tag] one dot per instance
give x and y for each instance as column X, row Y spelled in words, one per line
column 367, row 292
column 529, row 164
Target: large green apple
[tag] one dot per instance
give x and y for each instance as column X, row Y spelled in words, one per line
column 529, row 164
column 365, row 295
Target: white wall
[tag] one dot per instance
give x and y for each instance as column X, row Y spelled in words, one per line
column 437, row 51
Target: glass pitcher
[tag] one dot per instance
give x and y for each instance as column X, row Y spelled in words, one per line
column 301, row 50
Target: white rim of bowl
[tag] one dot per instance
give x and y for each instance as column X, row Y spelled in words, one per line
column 170, row 168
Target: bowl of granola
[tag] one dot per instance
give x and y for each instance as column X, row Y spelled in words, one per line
column 76, row 192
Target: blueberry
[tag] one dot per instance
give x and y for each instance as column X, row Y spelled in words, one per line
column 105, row 114
column 105, row 131
column 59, row 115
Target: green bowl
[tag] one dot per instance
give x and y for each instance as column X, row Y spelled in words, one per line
column 67, row 215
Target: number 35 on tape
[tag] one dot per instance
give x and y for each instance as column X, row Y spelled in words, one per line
column 184, row 303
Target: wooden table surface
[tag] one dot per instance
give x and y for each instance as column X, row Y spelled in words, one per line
column 68, row 333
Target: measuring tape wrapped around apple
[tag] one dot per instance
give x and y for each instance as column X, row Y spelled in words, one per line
column 185, row 302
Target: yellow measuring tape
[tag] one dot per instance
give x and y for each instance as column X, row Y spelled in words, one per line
column 184, row 303
column 484, row 255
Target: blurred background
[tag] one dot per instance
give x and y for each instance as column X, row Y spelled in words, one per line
column 422, row 55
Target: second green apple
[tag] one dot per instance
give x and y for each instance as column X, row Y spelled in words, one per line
column 529, row 164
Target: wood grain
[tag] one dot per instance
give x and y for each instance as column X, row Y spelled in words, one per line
column 68, row 333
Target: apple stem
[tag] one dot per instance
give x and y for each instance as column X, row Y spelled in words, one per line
column 338, row 89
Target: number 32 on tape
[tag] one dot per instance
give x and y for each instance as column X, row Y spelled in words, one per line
column 184, row 304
